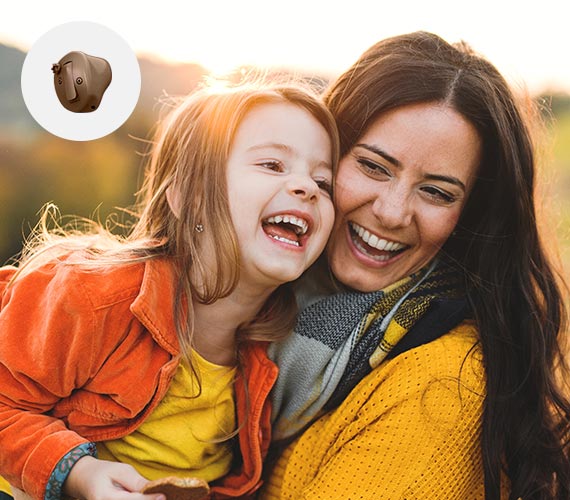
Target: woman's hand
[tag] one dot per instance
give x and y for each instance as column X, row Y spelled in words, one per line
column 94, row 479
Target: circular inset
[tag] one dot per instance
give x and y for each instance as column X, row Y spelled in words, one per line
column 119, row 99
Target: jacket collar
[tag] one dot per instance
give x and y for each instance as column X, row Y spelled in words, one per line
column 154, row 305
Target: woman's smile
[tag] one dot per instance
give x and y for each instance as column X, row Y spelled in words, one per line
column 373, row 246
column 396, row 203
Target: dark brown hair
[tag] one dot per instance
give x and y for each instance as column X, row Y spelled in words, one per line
column 512, row 288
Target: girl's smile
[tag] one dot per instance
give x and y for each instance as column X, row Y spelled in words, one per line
column 288, row 228
column 279, row 179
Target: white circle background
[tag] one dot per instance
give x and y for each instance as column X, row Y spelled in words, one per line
column 119, row 100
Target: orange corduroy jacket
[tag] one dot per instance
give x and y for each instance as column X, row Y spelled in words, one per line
column 87, row 356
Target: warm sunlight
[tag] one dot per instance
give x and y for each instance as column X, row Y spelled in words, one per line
column 223, row 35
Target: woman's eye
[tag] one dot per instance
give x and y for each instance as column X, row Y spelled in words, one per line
column 438, row 195
column 271, row 165
column 372, row 167
column 325, row 185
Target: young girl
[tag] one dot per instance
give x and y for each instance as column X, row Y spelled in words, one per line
column 137, row 351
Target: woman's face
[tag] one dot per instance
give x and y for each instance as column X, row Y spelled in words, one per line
column 399, row 194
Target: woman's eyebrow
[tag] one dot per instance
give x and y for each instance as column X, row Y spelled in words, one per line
column 430, row 177
column 380, row 152
column 446, row 178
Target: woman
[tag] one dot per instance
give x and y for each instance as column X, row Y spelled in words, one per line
column 438, row 360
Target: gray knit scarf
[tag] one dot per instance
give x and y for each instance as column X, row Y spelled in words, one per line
column 340, row 338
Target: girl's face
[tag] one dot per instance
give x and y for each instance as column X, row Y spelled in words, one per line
column 399, row 193
column 279, row 176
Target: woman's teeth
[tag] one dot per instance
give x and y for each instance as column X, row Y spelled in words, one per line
column 379, row 258
column 373, row 242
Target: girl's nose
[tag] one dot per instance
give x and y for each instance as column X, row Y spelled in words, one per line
column 303, row 186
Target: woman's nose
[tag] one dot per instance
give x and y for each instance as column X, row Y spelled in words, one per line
column 392, row 207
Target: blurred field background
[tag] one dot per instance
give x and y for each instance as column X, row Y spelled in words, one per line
column 555, row 175
column 91, row 179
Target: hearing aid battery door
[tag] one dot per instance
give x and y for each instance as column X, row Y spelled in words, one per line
column 80, row 81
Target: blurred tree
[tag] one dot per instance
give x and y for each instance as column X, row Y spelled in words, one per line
column 92, row 178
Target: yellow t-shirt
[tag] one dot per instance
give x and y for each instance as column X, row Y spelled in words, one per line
column 4, row 486
column 185, row 434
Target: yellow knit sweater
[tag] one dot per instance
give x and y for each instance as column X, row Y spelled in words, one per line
column 409, row 430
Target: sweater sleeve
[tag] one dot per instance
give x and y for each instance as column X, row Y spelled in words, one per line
column 46, row 333
column 410, row 429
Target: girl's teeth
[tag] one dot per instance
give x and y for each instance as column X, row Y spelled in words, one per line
column 301, row 225
column 285, row 240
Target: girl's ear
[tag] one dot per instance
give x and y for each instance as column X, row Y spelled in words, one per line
column 173, row 199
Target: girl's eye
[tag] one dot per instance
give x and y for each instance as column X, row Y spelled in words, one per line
column 372, row 167
column 439, row 195
column 325, row 185
column 271, row 165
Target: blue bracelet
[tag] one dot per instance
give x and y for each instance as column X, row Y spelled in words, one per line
column 63, row 468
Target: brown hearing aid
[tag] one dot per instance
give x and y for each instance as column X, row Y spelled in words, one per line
column 80, row 81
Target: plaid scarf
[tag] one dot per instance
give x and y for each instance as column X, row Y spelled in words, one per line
column 341, row 337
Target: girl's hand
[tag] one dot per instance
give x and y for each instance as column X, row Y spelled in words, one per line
column 93, row 479
column 19, row 494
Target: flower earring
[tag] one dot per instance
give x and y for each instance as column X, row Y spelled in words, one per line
column 199, row 228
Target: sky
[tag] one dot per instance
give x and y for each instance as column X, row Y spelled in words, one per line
column 527, row 41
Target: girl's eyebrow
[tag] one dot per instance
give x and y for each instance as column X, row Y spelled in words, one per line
column 285, row 148
column 430, row 177
column 270, row 145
